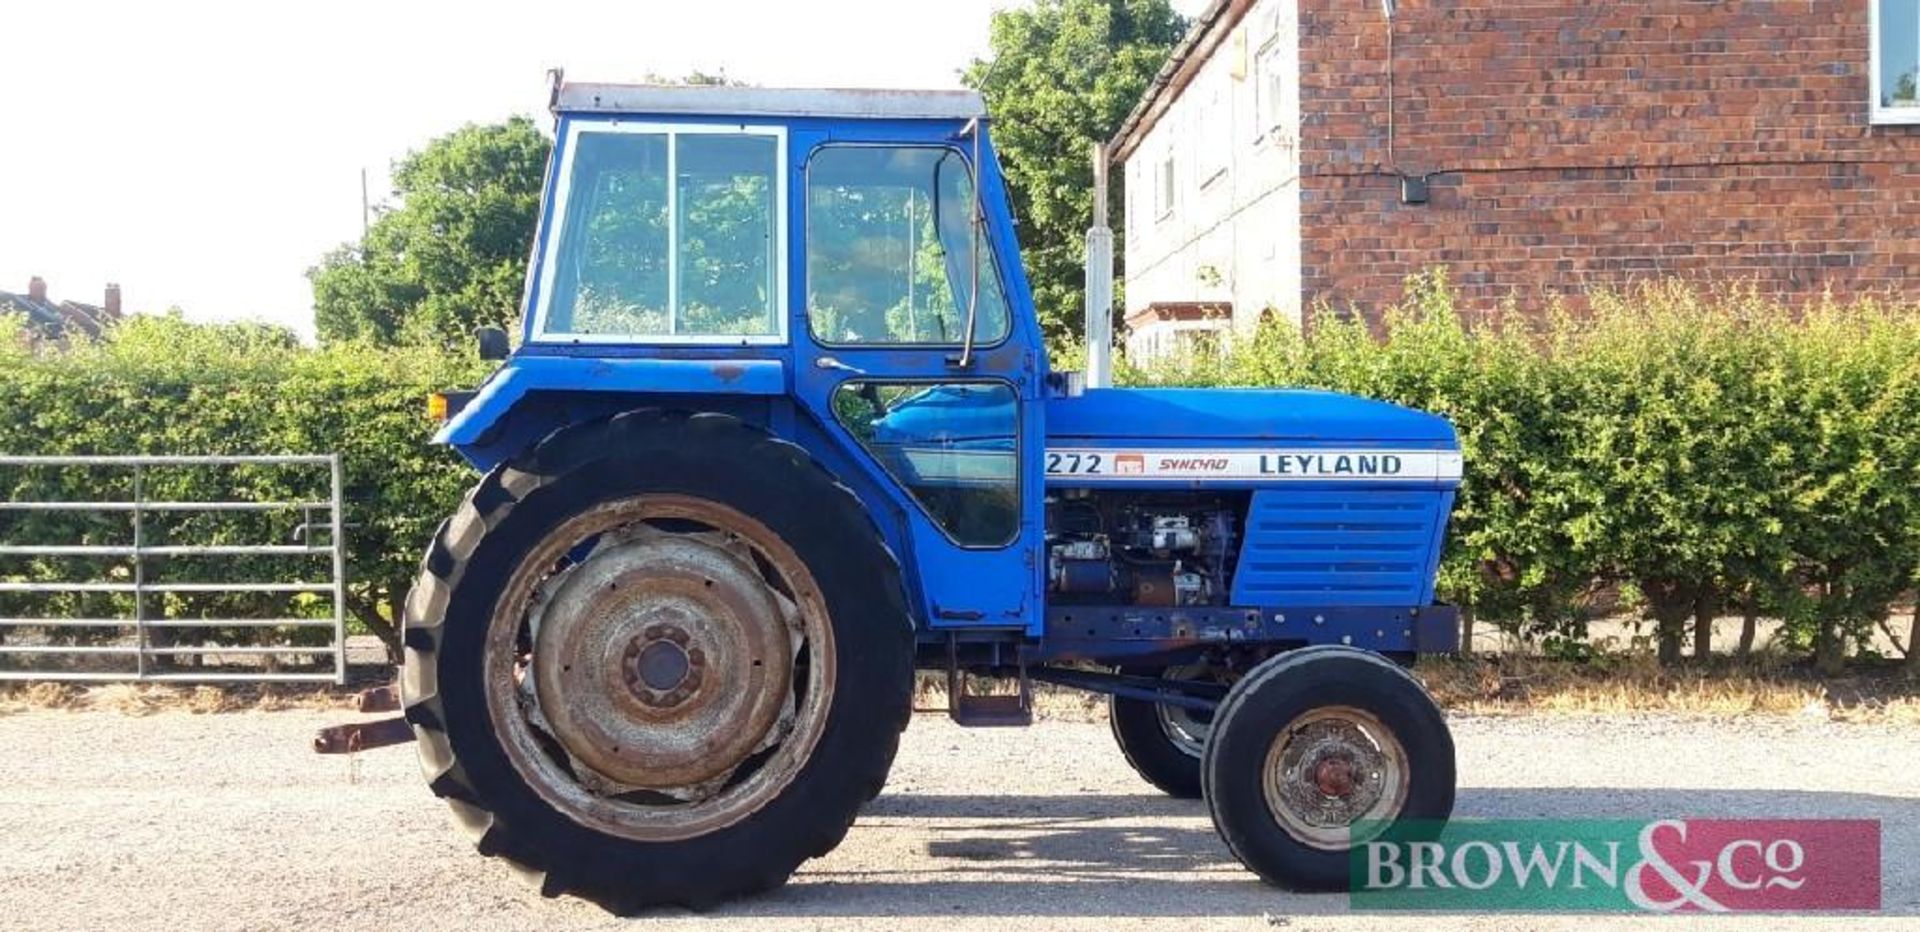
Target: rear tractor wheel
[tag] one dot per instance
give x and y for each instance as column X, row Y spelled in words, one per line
column 658, row 660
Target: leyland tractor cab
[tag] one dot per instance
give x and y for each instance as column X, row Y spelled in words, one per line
column 780, row 430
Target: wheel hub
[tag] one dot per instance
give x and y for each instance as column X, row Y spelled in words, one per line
column 1330, row 768
column 660, row 669
column 1334, row 777
column 662, row 662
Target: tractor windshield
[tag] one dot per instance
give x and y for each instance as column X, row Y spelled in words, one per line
column 666, row 234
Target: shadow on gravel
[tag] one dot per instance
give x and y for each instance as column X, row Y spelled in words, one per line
column 1150, row 856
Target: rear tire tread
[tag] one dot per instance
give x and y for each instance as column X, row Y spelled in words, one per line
column 489, row 503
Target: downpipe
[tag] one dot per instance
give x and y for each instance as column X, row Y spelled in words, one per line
column 1098, row 329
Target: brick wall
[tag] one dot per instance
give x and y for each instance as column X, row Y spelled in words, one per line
column 1580, row 143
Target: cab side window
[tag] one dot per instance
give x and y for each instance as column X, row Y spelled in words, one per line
column 953, row 445
column 891, row 252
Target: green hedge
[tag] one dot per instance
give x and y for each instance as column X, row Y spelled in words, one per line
column 1705, row 454
column 160, row 385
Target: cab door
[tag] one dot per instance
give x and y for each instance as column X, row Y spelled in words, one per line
column 890, row 270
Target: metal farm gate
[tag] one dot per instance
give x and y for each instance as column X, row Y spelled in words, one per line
column 137, row 556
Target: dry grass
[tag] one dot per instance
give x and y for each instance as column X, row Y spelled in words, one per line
column 1518, row 684
column 1505, row 684
column 149, row 698
column 1613, row 685
column 44, row 696
column 1050, row 703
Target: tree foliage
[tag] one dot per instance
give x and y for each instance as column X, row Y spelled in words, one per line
column 1062, row 75
column 452, row 253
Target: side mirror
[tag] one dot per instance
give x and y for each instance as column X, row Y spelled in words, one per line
column 976, row 218
column 492, row 342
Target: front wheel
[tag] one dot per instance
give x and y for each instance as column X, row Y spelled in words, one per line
column 1317, row 751
column 658, row 660
column 1163, row 743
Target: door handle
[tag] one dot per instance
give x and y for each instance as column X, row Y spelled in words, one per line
column 828, row 362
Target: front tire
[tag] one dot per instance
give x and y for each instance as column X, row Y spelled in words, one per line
column 1163, row 743
column 1312, row 742
column 658, row 660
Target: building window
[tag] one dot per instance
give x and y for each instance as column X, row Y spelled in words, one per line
column 1269, row 85
column 1201, row 344
column 1163, row 187
column 1216, row 122
column 1270, row 26
column 1896, row 61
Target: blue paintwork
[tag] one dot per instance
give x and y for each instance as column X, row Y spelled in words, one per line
column 1105, row 633
column 956, row 586
column 1224, row 418
column 788, row 389
column 529, row 373
column 958, row 414
column 966, row 430
column 1374, row 544
column 1326, row 545
column 1243, row 416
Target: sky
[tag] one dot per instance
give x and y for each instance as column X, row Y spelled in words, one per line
column 204, row 155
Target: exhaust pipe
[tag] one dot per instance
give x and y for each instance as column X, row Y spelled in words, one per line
column 1099, row 324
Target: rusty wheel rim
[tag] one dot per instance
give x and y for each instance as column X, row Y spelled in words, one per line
column 1331, row 768
column 660, row 667
column 1186, row 729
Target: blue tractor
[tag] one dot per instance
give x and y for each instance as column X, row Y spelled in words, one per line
column 780, row 430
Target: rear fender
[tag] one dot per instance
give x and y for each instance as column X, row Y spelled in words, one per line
column 532, row 396
column 522, row 405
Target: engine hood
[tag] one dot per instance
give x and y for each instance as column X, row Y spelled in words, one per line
column 1247, row 415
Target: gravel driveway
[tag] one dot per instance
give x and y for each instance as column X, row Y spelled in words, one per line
column 178, row 821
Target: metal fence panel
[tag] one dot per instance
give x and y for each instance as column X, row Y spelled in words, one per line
column 135, row 641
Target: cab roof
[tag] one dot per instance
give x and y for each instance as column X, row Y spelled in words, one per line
column 704, row 100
